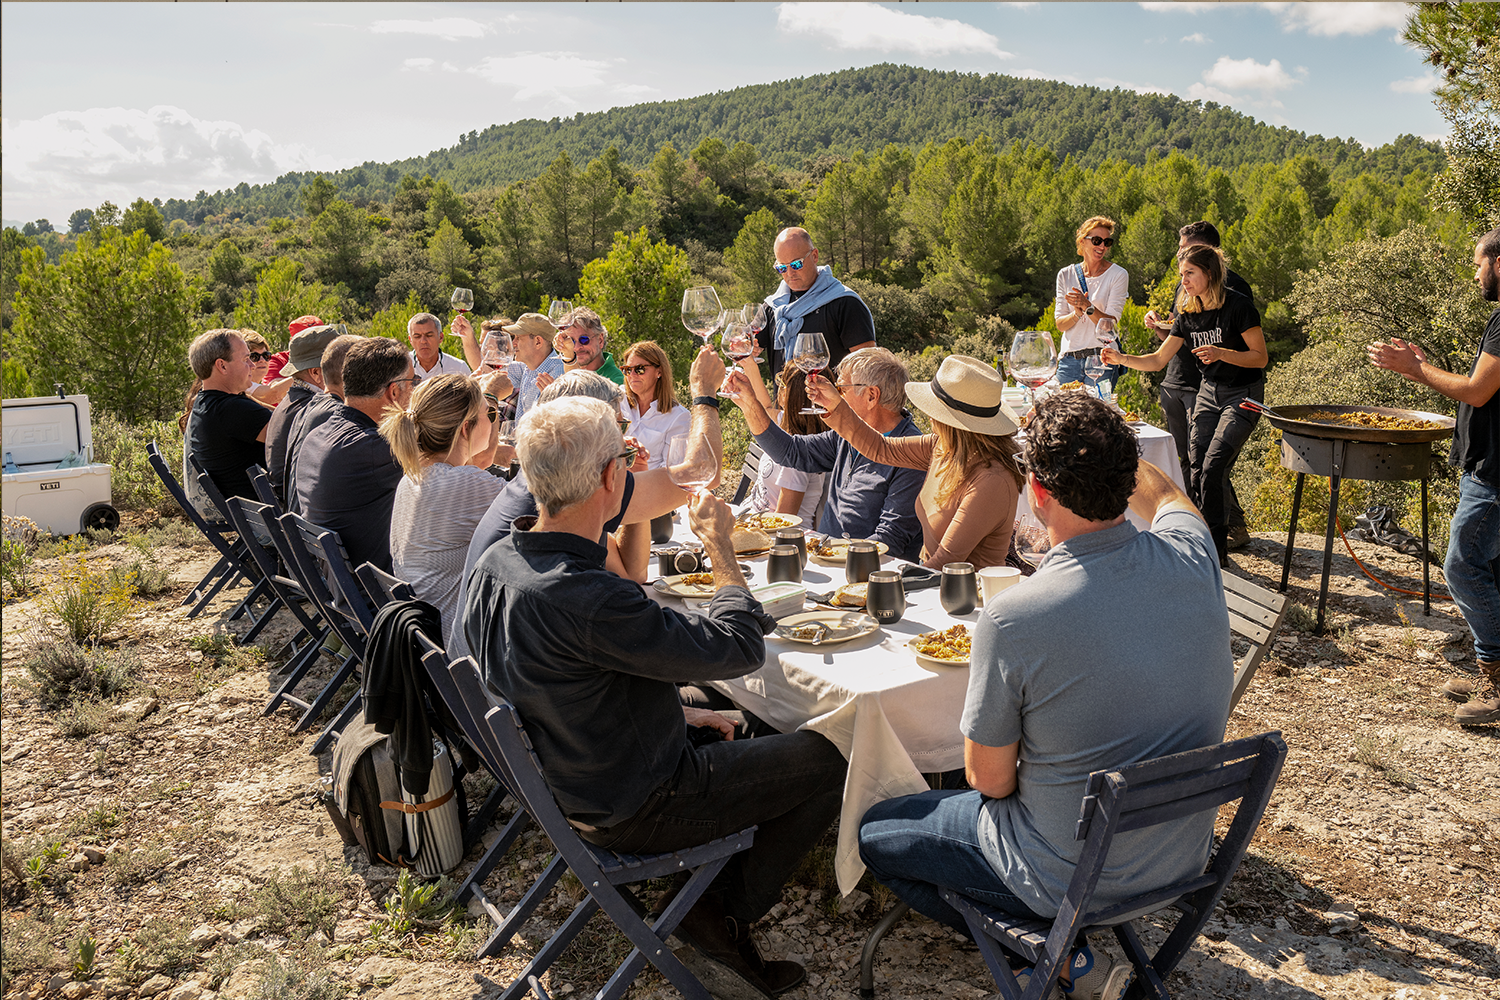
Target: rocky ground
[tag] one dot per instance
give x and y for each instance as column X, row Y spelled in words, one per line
column 181, row 832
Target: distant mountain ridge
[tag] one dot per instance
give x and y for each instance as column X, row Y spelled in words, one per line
column 793, row 122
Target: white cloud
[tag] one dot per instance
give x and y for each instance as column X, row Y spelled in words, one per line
column 422, row 64
column 1022, row 6
column 1423, row 84
column 1184, row 6
column 449, row 29
column 542, row 74
column 1139, row 88
column 1247, row 74
column 634, row 89
column 1203, row 92
column 75, row 159
column 872, row 26
column 1339, row 18
column 1040, row 74
column 1196, row 37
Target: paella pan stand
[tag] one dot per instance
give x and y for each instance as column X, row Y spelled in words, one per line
column 1341, row 452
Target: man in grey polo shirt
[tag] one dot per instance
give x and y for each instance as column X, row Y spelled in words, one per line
column 1140, row 668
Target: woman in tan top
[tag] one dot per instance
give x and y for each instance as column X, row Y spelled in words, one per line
column 967, row 506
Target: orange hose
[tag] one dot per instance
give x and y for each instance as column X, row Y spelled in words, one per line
column 1372, row 576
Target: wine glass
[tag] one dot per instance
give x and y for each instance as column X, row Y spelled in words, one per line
column 739, row 344
column 558, row 309
column 755, row 315
column 689, row 470
column 701, row 311
column 497, row 349
column 1033, row 360
column 1094, row 366
column 462, row 300
column 810, row 354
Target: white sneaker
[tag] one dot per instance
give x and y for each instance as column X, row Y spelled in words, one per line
column 1097, row 979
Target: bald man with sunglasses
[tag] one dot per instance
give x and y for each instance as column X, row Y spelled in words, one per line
column 811, row 300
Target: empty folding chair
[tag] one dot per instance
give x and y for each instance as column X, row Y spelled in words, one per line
column 602, row 873
column 1255, row 615
column 232, row 555
column 248, row 543
column 1128, row 798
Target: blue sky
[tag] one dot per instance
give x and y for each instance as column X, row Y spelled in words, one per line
column 114, row 101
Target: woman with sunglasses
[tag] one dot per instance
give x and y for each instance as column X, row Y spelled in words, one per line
column 777, row 488
column 967, row 506
column 655, row 417
column 445, row 440
column 1229, row 351
column 1087, row 293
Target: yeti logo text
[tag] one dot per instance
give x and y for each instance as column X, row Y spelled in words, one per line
column 50, row 486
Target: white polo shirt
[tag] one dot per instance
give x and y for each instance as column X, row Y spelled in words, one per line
column 447, row 364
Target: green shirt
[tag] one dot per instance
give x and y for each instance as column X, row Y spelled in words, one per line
column 610, row 370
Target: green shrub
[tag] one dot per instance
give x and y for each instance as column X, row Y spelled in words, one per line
column 63, row 672
column 135, row 485
column 159, row 947
column 304, row 902
column 17, row 553
column 89, row 603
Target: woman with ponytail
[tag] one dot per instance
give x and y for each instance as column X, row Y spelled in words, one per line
column 444, row 440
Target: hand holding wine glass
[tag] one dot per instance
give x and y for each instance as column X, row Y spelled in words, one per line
column 739, row 344
column 701, row 311
column 822, row 392
column 810, row 354
column 689, row 468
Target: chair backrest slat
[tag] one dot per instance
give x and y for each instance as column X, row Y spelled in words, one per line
column 214, row 533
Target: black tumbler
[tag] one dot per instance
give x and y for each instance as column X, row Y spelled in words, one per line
column 794, row 536
column 862, row 559
column 885, row 597
column 783, row 566
column 960, row 589
column 661, row 529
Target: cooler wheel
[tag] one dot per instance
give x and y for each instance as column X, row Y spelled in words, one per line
column 101, row 516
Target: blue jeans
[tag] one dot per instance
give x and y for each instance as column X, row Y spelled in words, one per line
column 1472, row 567
column 919, row 844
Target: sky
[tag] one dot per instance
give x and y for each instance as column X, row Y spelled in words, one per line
column 120, row 100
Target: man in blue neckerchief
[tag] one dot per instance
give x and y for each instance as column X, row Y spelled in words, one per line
column 811, row 300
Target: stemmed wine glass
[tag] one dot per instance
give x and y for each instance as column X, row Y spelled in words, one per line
column 558, row 309
column 739, row 344
column 689, row 470
column 1033, row 360
column 462, row 300
column 701, row 311
column 1094, row 366
column 497, row 349
column 756, row 315
column 810, row 354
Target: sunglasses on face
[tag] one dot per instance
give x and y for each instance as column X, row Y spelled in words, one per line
column 256, row 357
column 490, row 413
column 636, row 369
column 795, row 265
column 1107, row 241
column 577, row 338
column 628, row 455
column 413, row 380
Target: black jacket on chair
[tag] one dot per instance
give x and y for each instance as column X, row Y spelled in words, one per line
column 394, row 684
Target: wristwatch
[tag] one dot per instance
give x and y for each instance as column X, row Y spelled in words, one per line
column 1089, row 311
column 706, row 401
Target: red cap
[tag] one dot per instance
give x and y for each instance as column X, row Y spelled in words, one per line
column 301, row 323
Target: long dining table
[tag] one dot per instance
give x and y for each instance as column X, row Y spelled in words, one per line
column 894, row 718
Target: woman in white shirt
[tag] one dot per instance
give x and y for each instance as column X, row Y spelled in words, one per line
column 651, row 406
column 1087, row 293
column 448, row 425
column 776, row 487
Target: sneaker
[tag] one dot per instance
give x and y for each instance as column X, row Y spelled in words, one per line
column 1023, row 980
column 1239, row 537
column 1097, row 979
column 1461, row 689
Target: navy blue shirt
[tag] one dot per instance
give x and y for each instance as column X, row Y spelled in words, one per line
column 346, row 481
column 279, row 435
column 865, row 498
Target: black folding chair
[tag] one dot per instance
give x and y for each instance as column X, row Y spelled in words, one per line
column 602, row 873
column 249, row 543
column 324, row 572
column 232, row 555
column 303, row 648
column 1136, row 797
column 261, row 484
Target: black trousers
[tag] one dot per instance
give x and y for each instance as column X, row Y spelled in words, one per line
column 1177, row 406
column 1220, row 429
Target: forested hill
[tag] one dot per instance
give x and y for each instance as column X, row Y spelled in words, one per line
column 794, row 123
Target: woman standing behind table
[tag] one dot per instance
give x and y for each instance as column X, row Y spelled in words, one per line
column 1222, row 328
column 449, row 425
column 1088, row 292
column 777, row 488
column 651, row 406
column 967, row 506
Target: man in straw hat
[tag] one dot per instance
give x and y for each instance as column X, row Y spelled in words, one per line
column 1116, row 651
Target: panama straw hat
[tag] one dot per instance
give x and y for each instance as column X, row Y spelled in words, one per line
column 965, row 393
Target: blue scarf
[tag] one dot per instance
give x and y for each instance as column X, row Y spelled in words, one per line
column 789, row 314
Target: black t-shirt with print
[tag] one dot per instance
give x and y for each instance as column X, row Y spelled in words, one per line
column 1222, row 327
column 1180, row 371
column 845, row 323
column 1476, row 433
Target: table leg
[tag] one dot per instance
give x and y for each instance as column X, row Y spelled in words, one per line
column 867, row 957
column 1426, row 568
column 1333, row 526
column 1291, row 532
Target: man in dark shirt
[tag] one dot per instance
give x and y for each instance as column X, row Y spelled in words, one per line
column 811, row 300
column 228, row 428
column 346, row 474
column 317, row 410
column 304, row 365
column 1179, row 385
column 1472, row 567
column 592, row 665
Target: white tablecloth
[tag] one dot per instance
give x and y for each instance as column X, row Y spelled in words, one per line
column 893, row 718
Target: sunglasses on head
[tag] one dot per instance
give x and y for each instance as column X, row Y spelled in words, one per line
column 795, row 265
column 256, row 357
column 1108, row 241
column 636, row 369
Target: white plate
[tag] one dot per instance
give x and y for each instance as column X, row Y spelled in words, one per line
column 838, row 560
column 843, row 626
column 673, row 586
column 753, row 522
column 933, row 661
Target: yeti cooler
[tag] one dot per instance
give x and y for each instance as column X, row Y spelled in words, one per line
column 49, row 474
